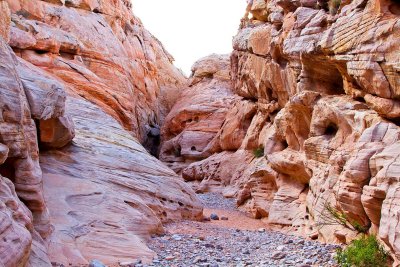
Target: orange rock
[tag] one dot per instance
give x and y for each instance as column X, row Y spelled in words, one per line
column 320, row 101
column 87, row 70
column 192, row 128
column 106, row 194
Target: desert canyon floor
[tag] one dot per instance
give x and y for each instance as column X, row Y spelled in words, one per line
column 230, row 239
column 297, row 128
column 234, row 239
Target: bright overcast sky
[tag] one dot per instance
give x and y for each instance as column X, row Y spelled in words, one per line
column 191, row 29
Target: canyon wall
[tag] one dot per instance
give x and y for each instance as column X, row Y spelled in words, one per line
column 311, row 125
column 82, row 86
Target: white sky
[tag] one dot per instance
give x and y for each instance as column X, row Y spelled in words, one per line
column 191, row 29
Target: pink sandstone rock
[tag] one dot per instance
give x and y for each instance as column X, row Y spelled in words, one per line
column 320, row 88
column 191, row 130
column 106, row 194
column 62, row 81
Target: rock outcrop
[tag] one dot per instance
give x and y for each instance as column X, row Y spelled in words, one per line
column 191, row 130
column 106, row 194
column 83, row 86
column 314, row 124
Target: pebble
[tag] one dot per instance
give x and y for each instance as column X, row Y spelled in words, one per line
column 169, row 258
column 214, row 217
column 96, row 263
column 176, row 237
column 278, row 255
column 207, row 244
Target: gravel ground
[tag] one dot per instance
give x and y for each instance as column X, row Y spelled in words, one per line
column 227, row 243
column 217, row 201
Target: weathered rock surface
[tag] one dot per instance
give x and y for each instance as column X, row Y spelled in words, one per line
column 121, row 74
column 19, row 160
column 191, row 130
column 317, row 124
column 105, row 194
column 87, row 85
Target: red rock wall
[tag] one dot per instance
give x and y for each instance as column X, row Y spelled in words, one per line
column 102, row 52
column 318, row 96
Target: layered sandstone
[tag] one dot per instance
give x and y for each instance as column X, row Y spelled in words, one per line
column 83, row 86
column 190, row 132
column 314, row 121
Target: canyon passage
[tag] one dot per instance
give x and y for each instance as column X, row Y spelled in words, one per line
column 277, row 154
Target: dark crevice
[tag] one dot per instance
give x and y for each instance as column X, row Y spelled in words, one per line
column 394, row 8
column 153, row 140
column 360, row 99
column 331, row 130
column 279, row 58
column 177, row 151
column 7, row 169
column 97, row 10
column 395, row 121
column 40, row 52
column 68, row 56
column 325, row 79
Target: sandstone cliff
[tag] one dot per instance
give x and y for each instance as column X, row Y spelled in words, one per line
column 83, row 86
column 313, row 123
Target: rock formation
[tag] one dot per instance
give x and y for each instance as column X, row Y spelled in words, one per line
column 192, row 126
column 300, row 121
column 313, row 126
column 85, row 84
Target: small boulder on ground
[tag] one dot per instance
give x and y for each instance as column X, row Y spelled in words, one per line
column 214, row 217
column 96, row 263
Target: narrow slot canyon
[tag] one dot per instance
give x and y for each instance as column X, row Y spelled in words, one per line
column 282, row 151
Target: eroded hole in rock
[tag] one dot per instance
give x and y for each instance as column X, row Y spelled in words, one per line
column 273, row 114
column 177, row 151
column 284, row 144
column 279, row 58
column 271, row 95
column 323, row 4
column 324, row 24
column 278, row 27
column 360, row 99
column 396, row 121
column 193, row 148
column 153, row 139
column 67, row 56
column 209, row 75
column 326, row 78
column 394, row 8
column 40, row 52
column 7, row 169
column 331, row 130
